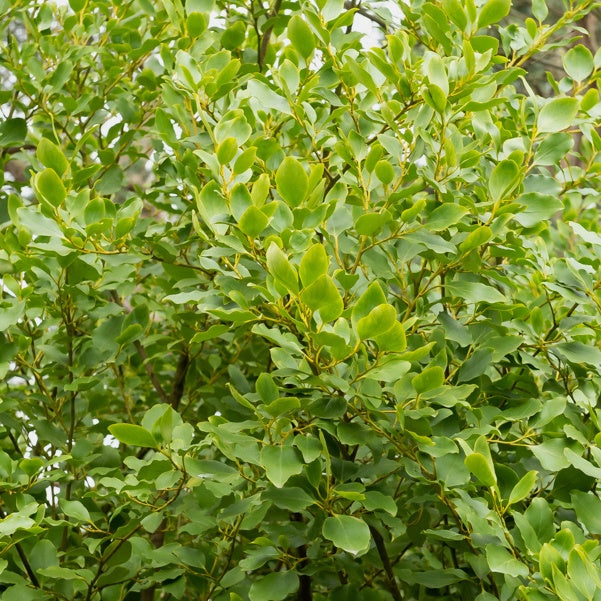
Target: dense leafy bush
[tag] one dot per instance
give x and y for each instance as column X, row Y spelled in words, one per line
column 286, row 316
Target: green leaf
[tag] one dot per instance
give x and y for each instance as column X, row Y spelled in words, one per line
column 583, row 572
column 253, row 222
column 557, row 114
column 227, row 150
column 75, row 510
column 291, row 181
column 552, row 149
column 10, row 524
column 132, row 434
column 13, row 132
column 301, row 36
column 50, row 188
column 323, row 296
column 475, row 292
column 429, row 379
column 522, row 489
column 348, row 533
column 479, row 466
column 500, row 560
column 437, row 75
column 266, row 388
column 455, row 12
column 313, row 264
column 392, row 340
column 537, row 208
column 580, row 463
column 578, row 352
column 503, row 179
column 481, row 235
column 444, row 216
column 50, row 155
column 578, row 62
column 492, row 12
column 280, row 464
column 246, row 160
column 196, row 23
column 10, row 313
column 384, row 172
column 371, row 223
column 539, row 9
column 379, row 320
column 371, row 298
column 274, row 587
column 291, row 498
column 130, row 333
column 281, row 406
column 375, row 500
column 281, row 269
column 588, row 510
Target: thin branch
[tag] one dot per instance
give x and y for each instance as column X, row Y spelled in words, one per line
column 349, row 5
column 24, row 560
column 150, row 372
column 144, row 356
column 179, row 378
column 267, row 35
column 383, row 553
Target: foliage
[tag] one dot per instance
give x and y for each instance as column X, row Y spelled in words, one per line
column 287, row 317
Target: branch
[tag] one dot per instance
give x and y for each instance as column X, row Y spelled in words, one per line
column 381, row 547
column 150, row 371
column 349, row 5
column 24, row 560
column 179, row 378
column 267, row 35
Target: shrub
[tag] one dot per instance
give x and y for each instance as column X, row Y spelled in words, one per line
column 288, row 316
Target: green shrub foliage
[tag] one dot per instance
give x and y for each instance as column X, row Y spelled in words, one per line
column 290, row 312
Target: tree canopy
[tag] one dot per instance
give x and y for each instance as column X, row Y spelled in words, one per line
column 291, row 312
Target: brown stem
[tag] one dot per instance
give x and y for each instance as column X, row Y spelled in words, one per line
column 177, row 391
column 150, row 371
column 267, row 35
column 383, row 553
column 348, row 5
column 24, row 559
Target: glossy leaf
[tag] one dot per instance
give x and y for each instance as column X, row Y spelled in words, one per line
column 280, row 464
column 291, row 181
column 132, row 434
column 347, row 533
column 557, row 115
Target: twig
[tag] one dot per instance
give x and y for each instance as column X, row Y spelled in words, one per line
column 383, row 553
column 267, row 35
column 24, row 560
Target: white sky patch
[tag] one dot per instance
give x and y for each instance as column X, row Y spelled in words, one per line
column 110, row 441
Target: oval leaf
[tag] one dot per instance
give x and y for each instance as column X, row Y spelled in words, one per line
column 478, row 465
column 50, row 155
column 503, row 179
column 378, row 321
column 323, row 296
column 133, row 435
column 557, row 115
column 428, row 379
column 347, row 532
column 578, row 62
column 301, row 36
column 280, row 463
column 314, row 264
column 50, row 187
column 522, row 489
column 291, row 181
column 493, row 11
column 281, row 269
